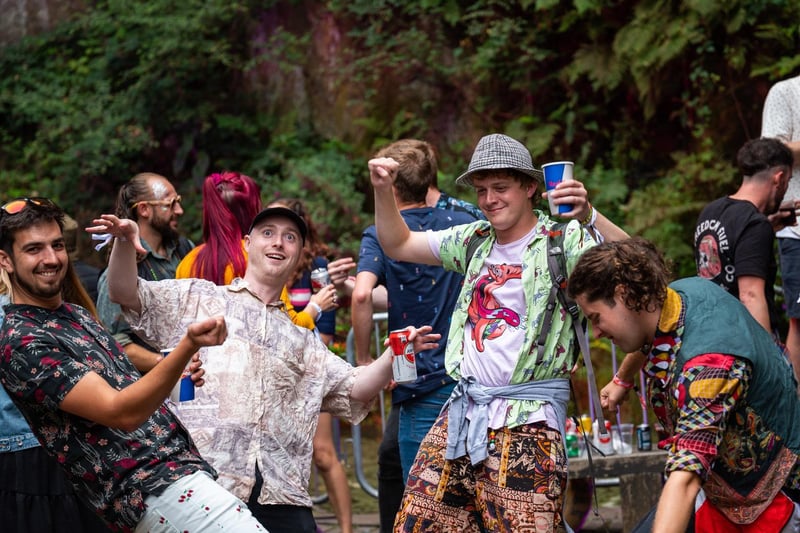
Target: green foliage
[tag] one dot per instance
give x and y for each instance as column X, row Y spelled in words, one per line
column 650, row 98
column 321, row 175
column 104, row 95
column 666, row 211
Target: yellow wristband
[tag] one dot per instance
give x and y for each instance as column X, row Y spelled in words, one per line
column 590, row 217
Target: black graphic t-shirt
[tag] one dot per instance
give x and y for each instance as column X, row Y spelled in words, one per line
column 733, row 239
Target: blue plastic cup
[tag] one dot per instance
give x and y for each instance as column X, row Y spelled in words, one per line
column 555, row 173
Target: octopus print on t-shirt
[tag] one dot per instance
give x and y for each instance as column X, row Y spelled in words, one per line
column 487, row 316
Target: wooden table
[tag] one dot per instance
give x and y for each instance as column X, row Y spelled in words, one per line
column 640, row 479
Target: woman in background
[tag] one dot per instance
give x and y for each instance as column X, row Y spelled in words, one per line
column 231, row 201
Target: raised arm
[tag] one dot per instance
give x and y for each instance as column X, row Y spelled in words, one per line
column 372, row 378
column 122, row 271
column 397, row 241
column 127, row 409
column 573, row 192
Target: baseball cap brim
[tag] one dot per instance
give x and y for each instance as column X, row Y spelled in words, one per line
column 284, row 212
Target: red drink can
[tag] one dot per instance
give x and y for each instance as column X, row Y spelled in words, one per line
column 319, row 279
column 404, row 367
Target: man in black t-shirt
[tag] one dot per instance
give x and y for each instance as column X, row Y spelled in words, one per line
column 734, row 237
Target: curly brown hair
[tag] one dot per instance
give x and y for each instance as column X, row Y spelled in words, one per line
column 634, row 263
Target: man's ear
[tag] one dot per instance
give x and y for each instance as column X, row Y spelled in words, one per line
column 621, row 292
column 531, row 189
column 5, row 262
column 782, row 176
column 143, row 211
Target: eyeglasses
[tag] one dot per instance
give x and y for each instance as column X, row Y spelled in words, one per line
column 168, row 203
column 16, row 205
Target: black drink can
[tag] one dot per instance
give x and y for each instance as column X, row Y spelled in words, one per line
column 643, row 438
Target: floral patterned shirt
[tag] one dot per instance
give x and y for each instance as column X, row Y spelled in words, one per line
column 264, row 386
column 43, row 354
column 714, row 433
column 560, row 343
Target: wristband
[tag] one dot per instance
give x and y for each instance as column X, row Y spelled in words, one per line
column 590, row 218
column 316, row 306
column 624, row 384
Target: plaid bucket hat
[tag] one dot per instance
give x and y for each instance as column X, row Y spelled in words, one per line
column 498, row 151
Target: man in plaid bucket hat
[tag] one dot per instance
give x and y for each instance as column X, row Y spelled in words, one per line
column 495, row 460
column 497, row 152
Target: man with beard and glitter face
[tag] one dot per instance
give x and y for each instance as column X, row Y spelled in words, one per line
column 151, row 200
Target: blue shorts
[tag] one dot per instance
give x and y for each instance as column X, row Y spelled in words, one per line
column 790, row 274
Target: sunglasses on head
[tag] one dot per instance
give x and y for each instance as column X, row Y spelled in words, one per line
column 169, row 203
column 16, row 205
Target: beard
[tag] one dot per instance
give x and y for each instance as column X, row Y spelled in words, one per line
column 169, row 236
column 41, row 291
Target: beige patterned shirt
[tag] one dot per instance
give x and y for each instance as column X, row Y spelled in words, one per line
column 264, row 387
column 781, row 120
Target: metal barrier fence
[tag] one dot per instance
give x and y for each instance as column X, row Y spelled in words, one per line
column 320, row 496
column 358, row 460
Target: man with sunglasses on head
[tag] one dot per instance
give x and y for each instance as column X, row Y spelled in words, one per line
column 125, row 453
column 151, row 200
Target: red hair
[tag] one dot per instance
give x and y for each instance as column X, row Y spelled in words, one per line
column 230, row 202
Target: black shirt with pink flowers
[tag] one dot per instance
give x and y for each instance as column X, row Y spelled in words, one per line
column 43, row 354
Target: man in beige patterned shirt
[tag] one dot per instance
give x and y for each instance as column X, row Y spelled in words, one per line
column 255, row 417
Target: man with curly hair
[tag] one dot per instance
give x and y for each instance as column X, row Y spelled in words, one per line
column 717, row 382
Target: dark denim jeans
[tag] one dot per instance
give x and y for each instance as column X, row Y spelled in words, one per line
column 391, row 482
column 416, row 418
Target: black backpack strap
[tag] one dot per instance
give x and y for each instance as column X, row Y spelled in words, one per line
column 557, row 264
column 472, row 246
column 557, row 267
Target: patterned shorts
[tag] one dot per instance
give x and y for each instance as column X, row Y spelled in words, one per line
column 519, row 487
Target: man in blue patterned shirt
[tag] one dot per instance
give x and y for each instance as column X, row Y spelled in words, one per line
column 417, row 294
